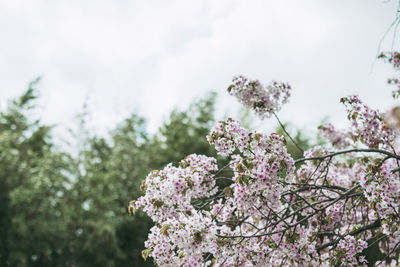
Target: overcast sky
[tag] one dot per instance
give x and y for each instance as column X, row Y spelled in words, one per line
column 147, row 57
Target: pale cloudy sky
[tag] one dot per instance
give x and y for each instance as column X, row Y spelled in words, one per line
column 149, row 56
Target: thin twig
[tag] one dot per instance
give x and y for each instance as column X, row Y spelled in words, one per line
column 283, row 128
column 367, row 150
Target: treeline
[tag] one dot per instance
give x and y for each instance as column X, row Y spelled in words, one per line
column 62, row 210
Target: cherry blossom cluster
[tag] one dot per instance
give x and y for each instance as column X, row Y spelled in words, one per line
column 338, row 139
column 348, row 248
column 383, row 191
column 368, row 125
column 227, row 135
column 182, row 234
column 170, row 191
column 254, row 199
column 264, row 100
column 257, row 165
column 247, row 220
column 266, row 209
column 394, row 59
column 182, row 240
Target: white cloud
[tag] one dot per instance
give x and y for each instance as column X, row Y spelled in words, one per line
column 150, row 56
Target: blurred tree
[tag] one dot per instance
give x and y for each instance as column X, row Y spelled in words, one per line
column 183, row 133
column 34, row 182
column 110, row 173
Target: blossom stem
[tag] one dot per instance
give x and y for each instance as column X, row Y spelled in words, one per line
column 284, row 129
column 368, row 150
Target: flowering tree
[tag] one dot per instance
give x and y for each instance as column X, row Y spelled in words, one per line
column 266, row 209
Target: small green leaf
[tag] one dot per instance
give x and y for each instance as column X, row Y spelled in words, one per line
column 145, row 253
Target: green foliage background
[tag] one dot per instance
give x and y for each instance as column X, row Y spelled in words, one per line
column 62, row 210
